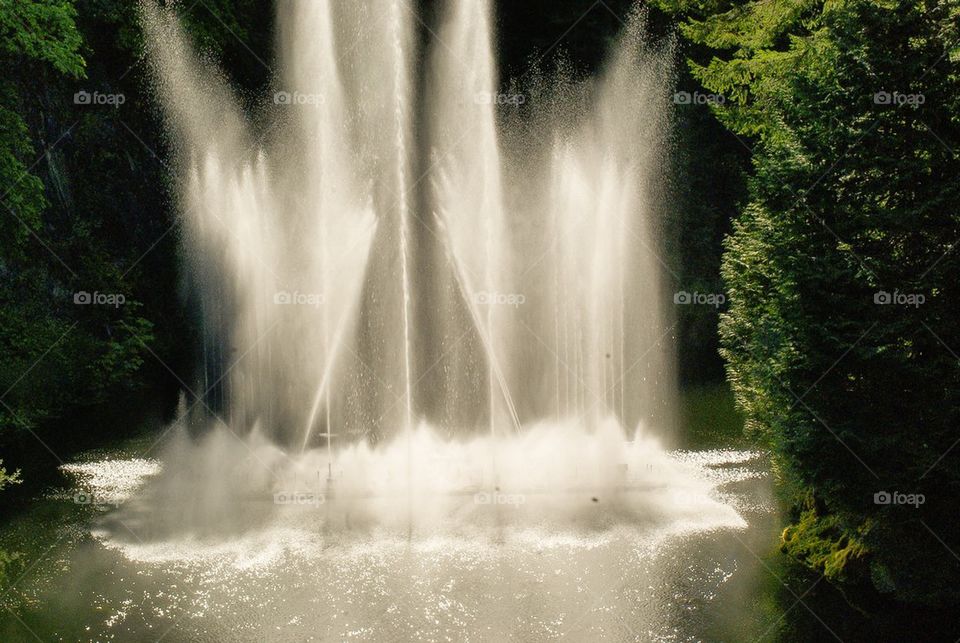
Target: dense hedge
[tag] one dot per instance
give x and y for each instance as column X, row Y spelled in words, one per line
column 842, row 335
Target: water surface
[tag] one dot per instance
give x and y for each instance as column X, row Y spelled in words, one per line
column 99, row 573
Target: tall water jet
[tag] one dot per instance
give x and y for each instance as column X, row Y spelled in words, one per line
column 401, row 93
column 585, row 167
column 468, row 192
column 279, row 309
column 548, row 198
column 323, row 184
column 544, row 218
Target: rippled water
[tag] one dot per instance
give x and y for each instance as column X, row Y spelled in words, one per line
column 601, row 576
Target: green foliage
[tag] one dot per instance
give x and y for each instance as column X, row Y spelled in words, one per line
column 6, row 560
column 31, row 32
column 710, row 419
column 826, row 545
column 853, row 193
column 55, row 355
column 24, row 192
column 749, row 28
column 41, row 30
column 8, row 478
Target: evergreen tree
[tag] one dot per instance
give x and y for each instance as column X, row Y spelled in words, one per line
column 842, row 336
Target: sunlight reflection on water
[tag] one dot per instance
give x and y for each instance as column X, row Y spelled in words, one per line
column 294, row 580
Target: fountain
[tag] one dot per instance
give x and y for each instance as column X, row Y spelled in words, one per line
column 450, row 293
column 436, row 377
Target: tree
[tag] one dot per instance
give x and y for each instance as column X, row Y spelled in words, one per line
column 30, row 32
column 56, row 353
column 85, row 211
column 842, row 333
